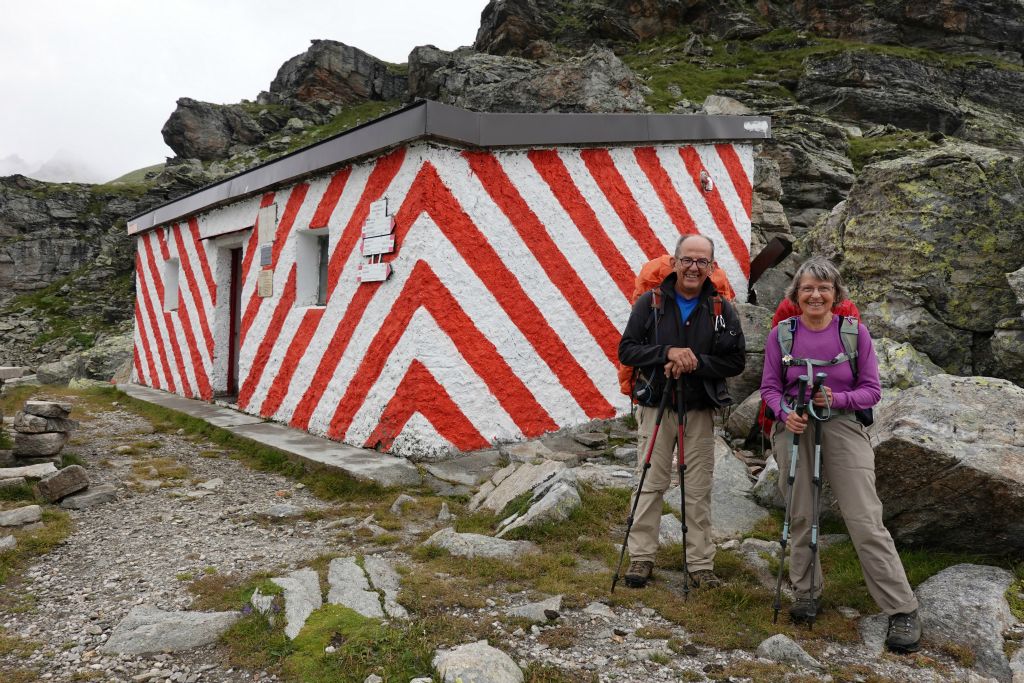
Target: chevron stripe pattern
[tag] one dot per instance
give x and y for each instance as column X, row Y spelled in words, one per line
column 510, row 285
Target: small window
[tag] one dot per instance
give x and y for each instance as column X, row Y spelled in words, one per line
column 171, row 268
column 312, row 255
column 325, row 257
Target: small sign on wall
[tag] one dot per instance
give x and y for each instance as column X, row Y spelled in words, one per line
column 374, row 272
column 378, row 239
column 385, row 244
column 265, row 284
column 266, row 255
column 267, row 222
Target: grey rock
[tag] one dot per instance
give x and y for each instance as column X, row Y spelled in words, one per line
column 332, row 72
column 28, row 471
column 627, row 453
column 62, row 483
column 592, row 439
column 47, row 408
column 606, row 476
column 525, row 478
column 873, row 630
column 717, row 105
column 1007, row 345
column 25, row 514
column 7, row 543
column 504, row 473
column 211, row 484
column 524, row 451
column 283, row 510
column 386, row 580
column 1017, row 666
column 921, row 454
column 901, row 366
column 733, row 511
column 599, row 609
column 94, row 495
column 476, row 663
column 469, row 470
column 756, row 322
column 477, row 545
column 146, row 630
column 966, row 605
column 597, row 81
column 743, row 417
column 445, row 515
column 302, row 597
column 781, row 648
column 1016, row 282
column 536, row 612
column 373, row 678
column 399, row 505
column 11, row 372
column 671, row 530
column 39, row 445
column 553, row 501
column 34, row 424
column 16, row 482
column 7, row 458
column 261, row 603
column 350, row 588
column 756, row 553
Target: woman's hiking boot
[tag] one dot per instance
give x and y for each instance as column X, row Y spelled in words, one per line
column 639, row 573
column 705, row 578
column 904, row 634
column 804, row 609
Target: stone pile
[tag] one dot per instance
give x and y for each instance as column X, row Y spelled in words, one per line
column 42, row 428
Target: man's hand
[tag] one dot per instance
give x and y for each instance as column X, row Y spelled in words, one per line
column 680, row 362
column 796, row 423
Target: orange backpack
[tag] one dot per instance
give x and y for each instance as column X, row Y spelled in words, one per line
column 650, row 277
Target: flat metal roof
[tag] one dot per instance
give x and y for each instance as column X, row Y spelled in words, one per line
column 429, row 119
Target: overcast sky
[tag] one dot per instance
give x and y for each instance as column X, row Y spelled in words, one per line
column 93, row 81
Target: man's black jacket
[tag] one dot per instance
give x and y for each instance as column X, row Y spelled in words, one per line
column 650, row 333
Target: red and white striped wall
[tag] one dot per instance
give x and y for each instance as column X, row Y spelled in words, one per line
column 510, row 287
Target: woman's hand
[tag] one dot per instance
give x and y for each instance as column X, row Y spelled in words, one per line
column 796, row 423
column 823, row 397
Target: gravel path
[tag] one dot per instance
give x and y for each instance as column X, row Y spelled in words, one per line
column 144, row 548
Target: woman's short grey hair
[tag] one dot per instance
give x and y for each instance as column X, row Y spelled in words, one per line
column 818, row 268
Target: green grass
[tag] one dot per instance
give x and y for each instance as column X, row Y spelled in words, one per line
column 776, row 56
column 137, row 176
column 349, row 118
column 31, row 545
column 864, row 151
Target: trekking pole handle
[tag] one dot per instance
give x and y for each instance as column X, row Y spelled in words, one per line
column 801, row 401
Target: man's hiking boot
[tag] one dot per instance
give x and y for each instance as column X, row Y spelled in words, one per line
column 639, row 573
column 804, row 609
column 904, row 634
column 704, row 578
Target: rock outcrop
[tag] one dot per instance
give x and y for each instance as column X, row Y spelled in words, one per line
column 597, row 81
column 949, row 458
column 926, row 242
column 331, row 73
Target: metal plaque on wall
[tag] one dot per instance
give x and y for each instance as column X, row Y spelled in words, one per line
column 265, row 283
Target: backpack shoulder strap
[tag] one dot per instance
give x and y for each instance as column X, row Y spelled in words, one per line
column 716, row 310
column 786, row 330
column 849, row 330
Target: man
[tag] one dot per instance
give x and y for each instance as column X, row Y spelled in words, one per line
column 680, row 335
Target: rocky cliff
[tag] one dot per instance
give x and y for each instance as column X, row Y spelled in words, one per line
column 897, row 132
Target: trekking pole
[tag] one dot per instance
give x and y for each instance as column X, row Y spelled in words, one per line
column 681, row 414
column 643, row 475
column 794, row 454
column 819, row 380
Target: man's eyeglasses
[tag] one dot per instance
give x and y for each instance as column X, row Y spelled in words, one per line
column 823, row 289
column 686, row 262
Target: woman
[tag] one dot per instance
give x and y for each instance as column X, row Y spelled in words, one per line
column 848, row 462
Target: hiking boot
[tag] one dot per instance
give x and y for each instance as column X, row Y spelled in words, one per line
column 639, row 573
column 704, row 578
column 904, row 634
column 804, row 609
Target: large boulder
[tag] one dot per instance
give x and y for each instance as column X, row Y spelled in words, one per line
column 756, row 322
column 476, row 663
column 148, row 630
column 206, row 131
column 949, row 458
column 927, row 242
column 99, row 362
column 598, row 81
column 336, row 73
column 965, row 605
